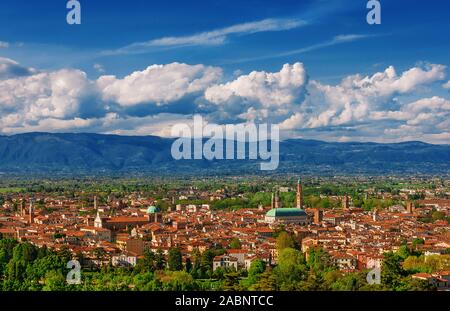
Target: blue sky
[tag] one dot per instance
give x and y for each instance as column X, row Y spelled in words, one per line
column 230, row 39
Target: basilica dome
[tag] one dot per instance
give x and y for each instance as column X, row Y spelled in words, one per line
column 152, row 209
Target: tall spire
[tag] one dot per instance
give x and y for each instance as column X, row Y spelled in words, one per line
column 31, row 212
column 98, row 220
column 277, row 199
column 299, row 194
column 21, row 208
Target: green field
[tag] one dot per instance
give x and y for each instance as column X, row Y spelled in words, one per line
column 11, row 190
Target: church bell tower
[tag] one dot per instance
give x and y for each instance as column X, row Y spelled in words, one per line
column 299, row 196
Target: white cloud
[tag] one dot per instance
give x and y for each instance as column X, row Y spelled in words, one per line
column 11, row 69
column 357, row 97
column 260, row 91
column 446, row 85
column 334, row 41
column 432, row 104
column 157, row 125
column 4, row 44
column 279, row 96
column 158, row 84
column 297, row 120
column 214, row 37
column 32, row 98
column 51, row 125
column 377, row 107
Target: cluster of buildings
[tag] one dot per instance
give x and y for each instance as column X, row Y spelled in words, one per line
column 119, row 233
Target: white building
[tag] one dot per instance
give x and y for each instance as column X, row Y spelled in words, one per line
column 225, row 261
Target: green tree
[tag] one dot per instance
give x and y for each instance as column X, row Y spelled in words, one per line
column 206, row 263
column 38, row 269
column 314, row 282
column 54, row 281
column 147, row 263
column 319, row 260
column 284, row 240
column 350, row 282
column 23, row 255
column 290, row 269
column 6, row 253
column 267, row 282
column 257, row 267
column 160, row 261
column 404, row 252
column 188, row 266
column 175, row 260
column 176, row 281
column 231, row 281
column 43, row 252
column 196, row 267
column 410, row 284
column 144, row 281
column 65, row 254
column 417, row 241
column 392, row 271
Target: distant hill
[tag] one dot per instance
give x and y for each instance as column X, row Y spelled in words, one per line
column 80, row 154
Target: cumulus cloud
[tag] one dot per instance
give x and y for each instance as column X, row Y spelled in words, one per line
column 385, row 106
column 158, row 84
column 446, row 85
column 368, row 108
column 357, row 97
column 295, row 121
column 66, row 99
column 260, row 94
column 427, row 117
column 386, row 83
column 43, row 95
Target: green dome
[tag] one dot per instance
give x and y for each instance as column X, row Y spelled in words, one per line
column 287, row 212
column 152, row 209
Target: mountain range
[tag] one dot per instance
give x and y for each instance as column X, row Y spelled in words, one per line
column 92, row 154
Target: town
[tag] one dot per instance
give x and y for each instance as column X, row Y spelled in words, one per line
column 230, row 233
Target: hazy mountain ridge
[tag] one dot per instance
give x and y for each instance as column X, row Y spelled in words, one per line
column 98, row 153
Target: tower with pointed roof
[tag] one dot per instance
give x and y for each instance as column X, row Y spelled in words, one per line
column 22, row 212
column 31, row 213
column 277, row 199
column 299, row 195
column 98, row 223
